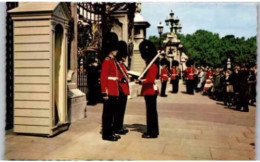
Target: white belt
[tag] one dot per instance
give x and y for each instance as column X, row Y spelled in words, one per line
column 165, row 75
column 112, row 78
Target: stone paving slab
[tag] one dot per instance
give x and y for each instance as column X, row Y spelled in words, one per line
column 227, row 154
column 24, row 155
column 188, row 151
column 205, row 143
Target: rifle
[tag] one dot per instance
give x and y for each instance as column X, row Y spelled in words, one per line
column 121, row 70
column 148, row 66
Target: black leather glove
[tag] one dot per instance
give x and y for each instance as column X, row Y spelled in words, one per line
column 105, row 96
column 138, row 82
column 123, row 80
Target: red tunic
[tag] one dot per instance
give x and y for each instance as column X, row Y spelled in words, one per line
column 109, row 77
column 208, row 74
column 164, row 74
column 124, row 87
column 148, row 83
column 174, row 73
column 190, row 73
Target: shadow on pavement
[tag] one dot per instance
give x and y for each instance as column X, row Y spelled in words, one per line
column 136, row 127
column 184, row 92
column 220, row 103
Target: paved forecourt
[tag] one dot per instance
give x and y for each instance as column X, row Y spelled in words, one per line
column 192, row 127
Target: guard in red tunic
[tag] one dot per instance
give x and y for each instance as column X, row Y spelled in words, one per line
column 109, row 87
column 123, row 89
column 150, row 89
column 164, row 76
column 189, row 72
column 175, row 76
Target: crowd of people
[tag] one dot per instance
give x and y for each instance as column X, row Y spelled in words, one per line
column 235, row 87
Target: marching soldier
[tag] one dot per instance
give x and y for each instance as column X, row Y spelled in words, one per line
column 123, row 89
column 189, row 72
column 164, row 76
column 109, row 87
column 150, row 89
column 175, row 73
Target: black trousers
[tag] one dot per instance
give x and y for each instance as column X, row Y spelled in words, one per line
column 151, row 115
column 227, row 97
column 92, row 94
column 108, row 115
column 120, row 112
column 242, row 101
column 175, row 85
column 190, row 86
column 163, row 88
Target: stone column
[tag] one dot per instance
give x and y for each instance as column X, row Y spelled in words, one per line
column 53, row 24
column 74, row 44
column 66, row 27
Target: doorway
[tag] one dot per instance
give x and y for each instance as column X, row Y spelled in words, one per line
column 60, row 114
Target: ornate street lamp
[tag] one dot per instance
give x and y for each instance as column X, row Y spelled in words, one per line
column 174, row 23
column 179, row 27
column 172, row 40
column 167, row 21
column 160, row 31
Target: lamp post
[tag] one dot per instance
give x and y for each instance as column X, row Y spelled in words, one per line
column 175, row 27
column 228, row 63
column 174, row 23
column 160, row 31
column 229, row 57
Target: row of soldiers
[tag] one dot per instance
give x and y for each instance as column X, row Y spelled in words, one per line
column 174, row 73
column 115, row 88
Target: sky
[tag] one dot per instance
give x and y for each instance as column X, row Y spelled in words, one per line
column 239, row 19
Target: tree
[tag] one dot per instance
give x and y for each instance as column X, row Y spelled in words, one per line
column 207, row 48
column 155, row 40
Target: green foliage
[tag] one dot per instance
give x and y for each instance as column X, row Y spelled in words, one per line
column 155, row 40
column 207, row 48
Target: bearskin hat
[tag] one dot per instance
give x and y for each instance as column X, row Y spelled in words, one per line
column 147, row 49
column 189, row 63
column 110, row 42
column 164, row 61
column 122, row 50
column 175, row 63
